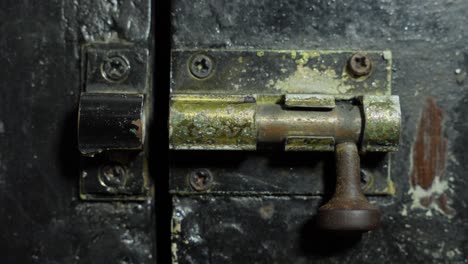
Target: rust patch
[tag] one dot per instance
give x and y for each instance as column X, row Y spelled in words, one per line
column 139, row 130
column 428, row 185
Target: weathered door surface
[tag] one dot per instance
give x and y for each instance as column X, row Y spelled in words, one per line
column 63, row 199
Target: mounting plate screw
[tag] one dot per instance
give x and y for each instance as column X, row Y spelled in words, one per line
column 115, row 68
column 113, row 176
column 201, row 66
column 359, row 65
column 201, row 179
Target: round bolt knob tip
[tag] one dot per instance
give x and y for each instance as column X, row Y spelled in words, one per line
column 361, row 220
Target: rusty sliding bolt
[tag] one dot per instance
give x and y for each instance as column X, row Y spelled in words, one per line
column 348, row 209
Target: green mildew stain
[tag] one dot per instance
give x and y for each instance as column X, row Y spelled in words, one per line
column 310, row 144
column 382, row 123
column 387, row 55
column 305, row 56
column 312, row 80
column 212, row 125
column 391, row 187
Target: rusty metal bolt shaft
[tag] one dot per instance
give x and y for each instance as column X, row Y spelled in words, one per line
column 349, row 209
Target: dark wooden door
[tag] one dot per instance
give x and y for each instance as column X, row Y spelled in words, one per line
column 43, row 219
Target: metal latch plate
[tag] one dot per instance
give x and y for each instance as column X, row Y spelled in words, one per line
column 269, row 74
column 280, row 72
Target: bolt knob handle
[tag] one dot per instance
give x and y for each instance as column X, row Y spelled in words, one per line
column 348, row 209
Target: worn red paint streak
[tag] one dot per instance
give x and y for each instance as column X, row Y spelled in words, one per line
column 430, row 147
column 430, row 155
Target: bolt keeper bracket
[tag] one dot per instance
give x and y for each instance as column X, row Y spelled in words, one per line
column 112, row 121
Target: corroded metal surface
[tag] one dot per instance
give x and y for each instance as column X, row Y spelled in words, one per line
column 382, row 126
column 198, row 121
column 275, row 124
column 219, row 122
column 237, row 122
column 281, row 72
column 294, row 121
column 359, row 65
column 309, row 143
column 309, row 100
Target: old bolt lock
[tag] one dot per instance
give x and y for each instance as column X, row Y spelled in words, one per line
column 297, row 122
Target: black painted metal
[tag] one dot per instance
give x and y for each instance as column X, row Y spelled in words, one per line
column 110, row 121
column 271, row 172
column 128, row 63
column 114, row 175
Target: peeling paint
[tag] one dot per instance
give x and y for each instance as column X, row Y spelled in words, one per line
column 293, row 55
column 390, row 189
column 429, row 188
column 306, row 56
column 308, row 80
column 174, row 253
column 267, row 211
column 404, row 211
column 138, row 131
